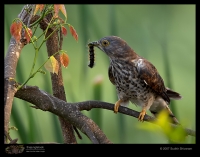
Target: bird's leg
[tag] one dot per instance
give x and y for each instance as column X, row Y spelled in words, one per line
column 145, row 108
column 142, row 114
column 117, row 104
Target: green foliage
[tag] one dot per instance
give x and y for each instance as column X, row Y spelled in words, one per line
column 173, row 134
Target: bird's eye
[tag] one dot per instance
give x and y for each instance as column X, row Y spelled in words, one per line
column 105, row 43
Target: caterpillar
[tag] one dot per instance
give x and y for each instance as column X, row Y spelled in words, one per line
column 91, row 55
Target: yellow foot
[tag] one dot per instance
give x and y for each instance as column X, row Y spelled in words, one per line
column 141, row 115
column 117, row 104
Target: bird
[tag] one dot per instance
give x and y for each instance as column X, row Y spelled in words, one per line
column 136, row 79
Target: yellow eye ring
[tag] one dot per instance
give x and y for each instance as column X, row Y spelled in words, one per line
column 105, row 43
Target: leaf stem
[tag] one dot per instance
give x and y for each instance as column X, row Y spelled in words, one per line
column 34, row 62
column 33, row 74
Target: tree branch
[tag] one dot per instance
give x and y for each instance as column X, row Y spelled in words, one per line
column 88, row 105
column 68, row 111
column 10, row 64
column 71, row 111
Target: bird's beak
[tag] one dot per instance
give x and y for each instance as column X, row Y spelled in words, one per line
column 94, row 43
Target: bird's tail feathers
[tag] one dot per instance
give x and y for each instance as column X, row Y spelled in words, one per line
column 172, row 94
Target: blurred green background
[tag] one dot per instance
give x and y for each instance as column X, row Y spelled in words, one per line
column 163, row 34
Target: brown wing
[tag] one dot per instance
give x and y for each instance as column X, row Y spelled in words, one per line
column 110, row 75
column 151, row 77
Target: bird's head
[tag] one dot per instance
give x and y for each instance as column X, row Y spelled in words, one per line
column 113, row 46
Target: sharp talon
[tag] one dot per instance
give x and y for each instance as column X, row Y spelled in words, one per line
column 117, row 104
column 141, row 115
column 115, row 110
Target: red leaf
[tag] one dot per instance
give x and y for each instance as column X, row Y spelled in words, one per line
column 64, row 59
column 15, row 30
column 73, row 32
column 64, row 30
column 38, row 6
column 28, row 34
column 60, row 7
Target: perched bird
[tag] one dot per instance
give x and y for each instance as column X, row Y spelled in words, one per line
column 136, row 79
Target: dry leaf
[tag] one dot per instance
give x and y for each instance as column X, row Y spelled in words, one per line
column 64, row 59
column 52, row 65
